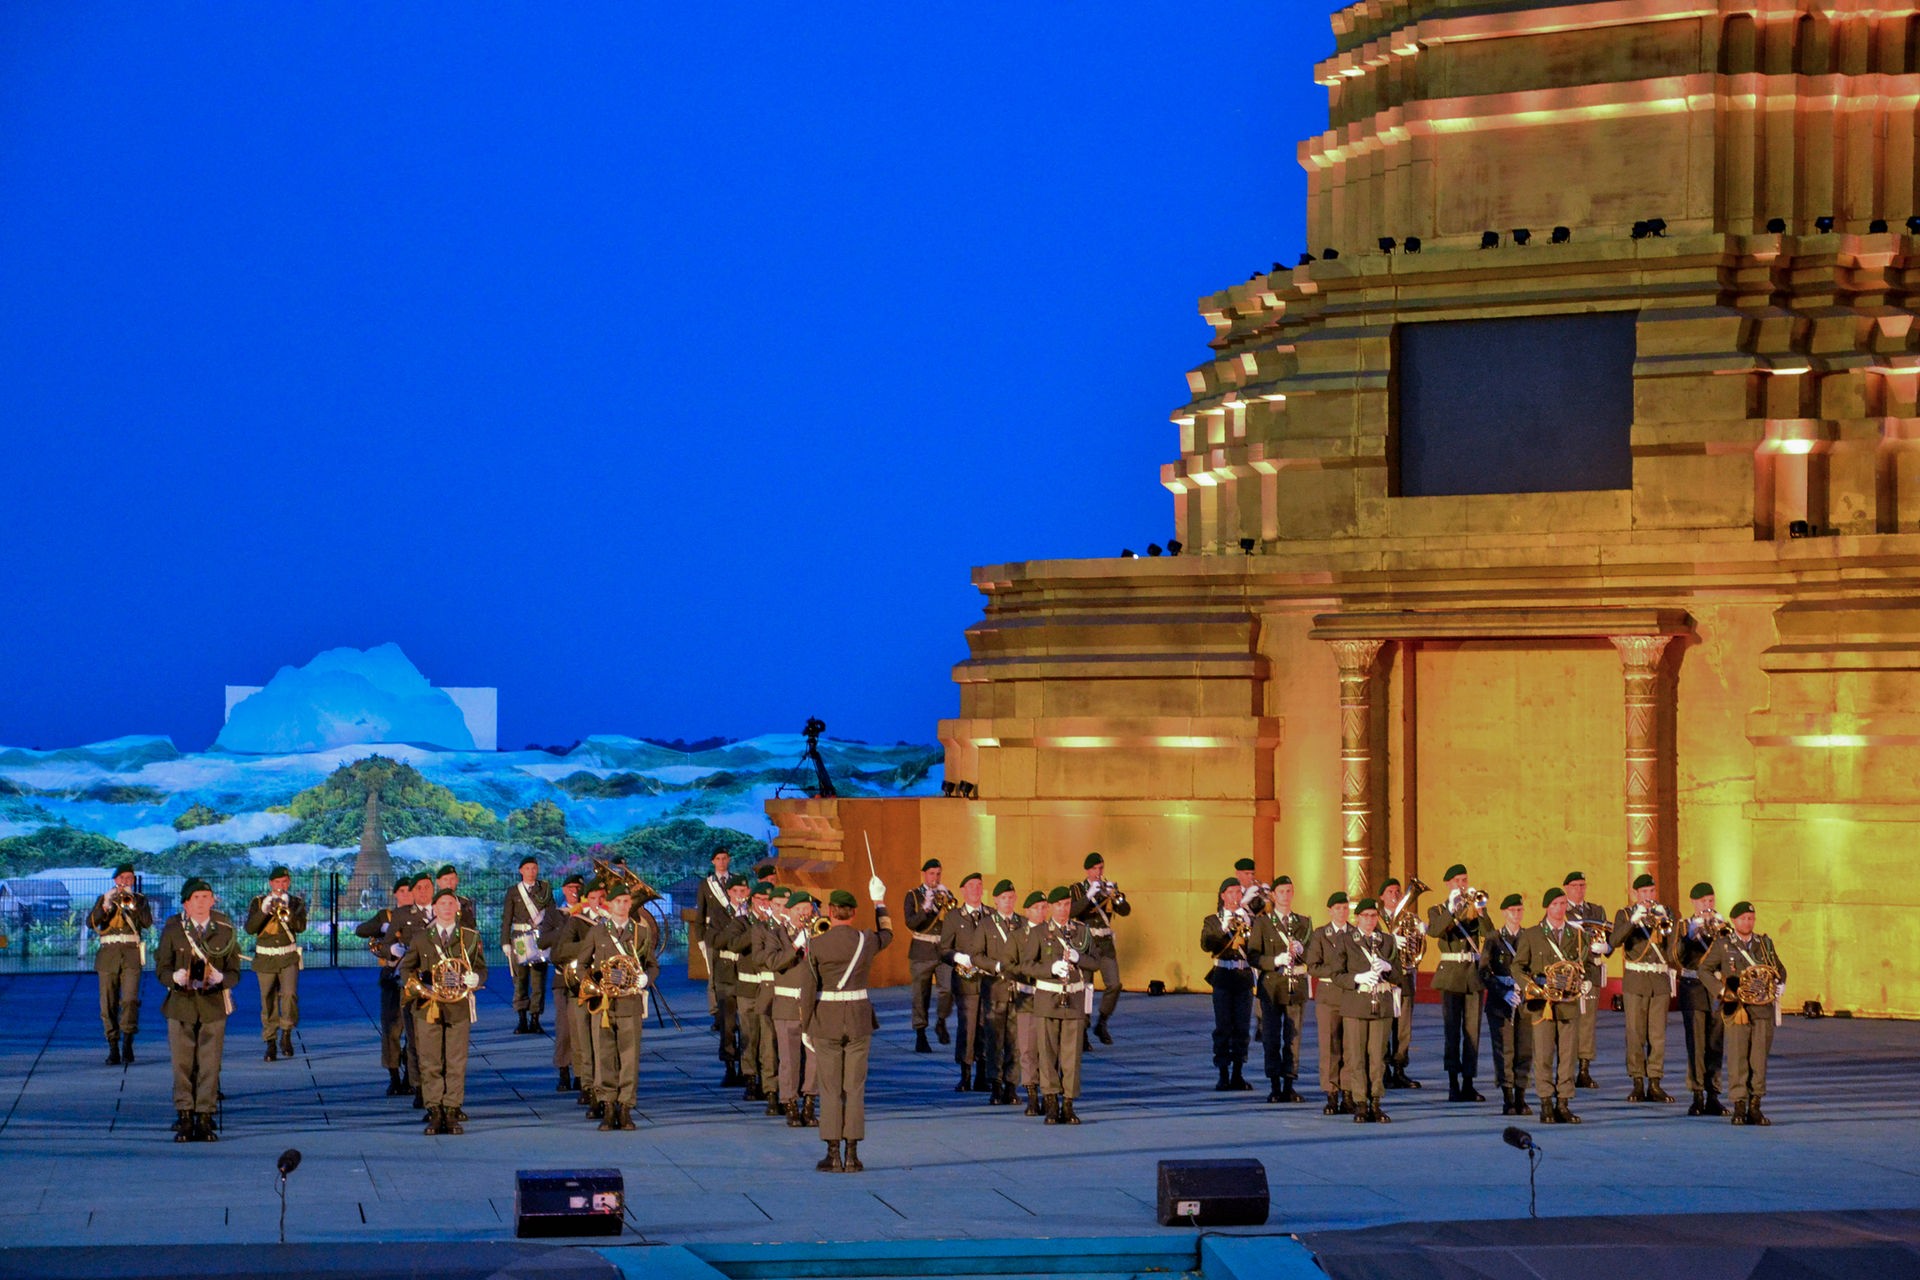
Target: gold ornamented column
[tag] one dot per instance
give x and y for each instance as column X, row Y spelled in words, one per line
column 1356, row 659
column 1640, row 656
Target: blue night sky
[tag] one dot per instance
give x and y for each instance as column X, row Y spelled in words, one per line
column 667, row 367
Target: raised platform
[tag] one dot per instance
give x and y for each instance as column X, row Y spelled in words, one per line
column 86, row 1158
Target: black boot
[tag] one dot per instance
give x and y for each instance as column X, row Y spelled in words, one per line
column 1585, row 1079
column 609, row 1115
column 1378, row 1115
column 753, row 1092
column 450, row 1118
column 565, row 1082
column 394, row 1087
column 597, row 1110
column 920, row 1044
column 273, row 1051
column 183, row 1126
column 520, row 1028
column 730, row 1078
column 113, row 1051
column 1549, row 1114
column 533, row 1025
column 1754, row 1114
column 1287, row 1092
column 1740, row 1112
column 1100, row 1031
column 1333, row 1104
column 419, row 1098
column 852, row 1162
column 1699, row 1107
column 1346, row 1103
column 1239, row 1082
column 460, row 1113
column 586, row 1097
column 1713, row 1107
column 1224, row 1083
column 981, row 1084
column 1639, row 1091
column 831, row 1163
column 966, row 1079
column 203, row 1127
column 126, row 1049
column 1362, row 1111
column 286, row 1044
column 940, row 1030
column 1656, row 1094
column 1520, row 1101
column 1468, row 1093
column 773, row 1104
column 1564, row 1114
column 1033, row 1101
column 626, row 1117
column 1453, row 1087
column 1066, row 1112
column 1273, row 1091
column 810, row 1111
column 1050, row 1107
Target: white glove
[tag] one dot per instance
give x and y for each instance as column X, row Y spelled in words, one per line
column 180, row 977
column 962, row 959
column 1073, row 957
column 472, row 980
column 1423, row 927
column 214, row 976
column 876, row 891
column 1513, row 997
column 1060, row 968
column 1366, row 981
column 1639, row 913
column 399, row 950
column 1294, row 949
column 806, row 1041
column 1599, row 947
column 1453, row 900
column 641, row 982
column 1586, row 989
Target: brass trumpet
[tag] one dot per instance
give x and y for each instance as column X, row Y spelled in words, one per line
column 819, row 925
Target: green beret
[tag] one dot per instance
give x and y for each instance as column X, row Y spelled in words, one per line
column 446, row 869
column 969, row 878
column 1032, row 898
column 404, row 882
column 1282, row 880
column 1547, row 899
column 1512, row 900
column 762, row 889
column 841, row 898
column 1338, row 898
column 193, row 886
column 1701, row 890
column 1228, row 883
column 1002, row 886
column 1244, row 864
column 444, row 893
column 764, row 871
column 1457, row 869
column 529, row 858
column 1740, row 908
column 1093, row 860
column 125, row 868
column 736, row 881
column 279, row 873
column 930, row 864
column 575, row 878
column 1643, row 881
column 721, row 852
column 1391, row 882
column 1575, row 875
column 798, row 896
column 621, row 889
column 1059, row 893
column 418, row 876
column 1366, row 904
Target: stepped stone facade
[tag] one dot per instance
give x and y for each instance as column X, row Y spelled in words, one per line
column 1711, row 673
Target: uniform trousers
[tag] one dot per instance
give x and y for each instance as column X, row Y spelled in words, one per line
column 1511, row 1040
column 119, row 969
column 585, row 1064
column 1706, row 1038
column 1646, row 1034
column 972, row 1021
column 929, row 974
column 799, row 1072
column 1400, row 1039
column 1026, row 1032
column 279, row 1000
column 1232, row 1012
column 1460, row 1029
column 1002, row 1058
column 196, row 1047
column 1109, row 961
column 1327, row 1020
column 727, row 1010
column 1556, row 1034
column 1060, row 1043
column 1364, row 1041
column 1747, row 1047
column 562, row 1028
column 1280, row 1034
column 616, row 1056
column 842, row 1077
column 1589, row 1019
column 443, row 1059
column 392, row 1050
column 530, row 988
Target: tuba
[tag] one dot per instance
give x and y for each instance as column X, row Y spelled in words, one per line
column 1405, row 924
column 446, row 984
column 610, row 875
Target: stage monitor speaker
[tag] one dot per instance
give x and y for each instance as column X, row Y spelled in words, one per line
column 1213, row 1193
column 568, row 1202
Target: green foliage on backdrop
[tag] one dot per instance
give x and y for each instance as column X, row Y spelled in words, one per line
column 333, row 813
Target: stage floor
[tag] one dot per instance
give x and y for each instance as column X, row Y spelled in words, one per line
column 86, row 1157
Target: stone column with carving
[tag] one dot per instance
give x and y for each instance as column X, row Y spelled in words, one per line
column 1640, row 657
column 1356, row 659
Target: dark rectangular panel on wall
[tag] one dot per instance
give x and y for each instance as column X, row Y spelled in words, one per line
column 1524, row 404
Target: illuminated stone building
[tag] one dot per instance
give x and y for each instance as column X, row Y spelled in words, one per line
column 1538, row 550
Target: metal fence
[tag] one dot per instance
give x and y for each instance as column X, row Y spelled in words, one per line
column 43, row 918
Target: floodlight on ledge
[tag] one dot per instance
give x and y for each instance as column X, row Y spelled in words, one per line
column 1793, row 446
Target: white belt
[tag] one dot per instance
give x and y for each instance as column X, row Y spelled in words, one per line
column 1229, row 964
column 792, row 993
column 837, row 996
column 729, row 955
column 934, row 938
column 1456, row 955
column 753, row 979
column 276, row 951
column 1691, row 975
column 1059, row 988
column 106, row 938
column 1024, row 988
column 1101, row 933
column 1646, row 966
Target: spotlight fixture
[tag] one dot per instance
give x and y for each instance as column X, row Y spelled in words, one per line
column 1128, row 553
column 1412, row 245
column 969, row 792
column 1913, row 225
column 1386, row 244
column 1878, row 227
column 1329, row 254
column 1153, row 548
column 1640, row 231
column 1799, row 529
column 1812, row 1009
column 1256, row 275
column 1776, row 226
column 1174, row 546
column 1489, row 239
column 1824, row 224
column 1306, row 259
column 1560, row 235
column 1619, row 1004
column 1155, row 987
column 1277, row 269
column 1246, row 545
column 1656, row 226
column 1521, row 235
column 948, row 789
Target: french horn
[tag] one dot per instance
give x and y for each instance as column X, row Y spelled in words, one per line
column 447, row 984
